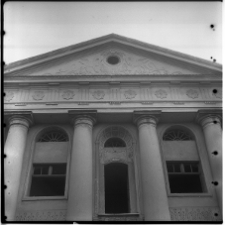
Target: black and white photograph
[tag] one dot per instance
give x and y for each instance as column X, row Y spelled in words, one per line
column 112, row 112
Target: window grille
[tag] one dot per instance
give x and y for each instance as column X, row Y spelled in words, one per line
column 114, row 142
column 53, row 136
column 177, row 135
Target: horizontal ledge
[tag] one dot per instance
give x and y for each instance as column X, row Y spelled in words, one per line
column 119, row 214
column 44, row 198
column 200, row 195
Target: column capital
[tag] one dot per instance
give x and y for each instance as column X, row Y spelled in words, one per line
column 146, row 117
column 87, row 117
column 209, row 117
column 19, row 118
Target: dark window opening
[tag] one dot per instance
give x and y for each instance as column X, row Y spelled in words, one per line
column 116, row 188
column 114, row 142
column 184, row 177
column 48, row 180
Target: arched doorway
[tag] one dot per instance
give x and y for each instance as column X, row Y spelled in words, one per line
column 116, row 173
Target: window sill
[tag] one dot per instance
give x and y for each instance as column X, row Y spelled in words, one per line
column 44, row 198
column 190, row 195
column 119, row 217
column 119, row 214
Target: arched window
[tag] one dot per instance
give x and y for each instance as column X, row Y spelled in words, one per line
column 177, row 134
column 114, row 142
column 182, row 161
column 49, row 166
column 53, row 136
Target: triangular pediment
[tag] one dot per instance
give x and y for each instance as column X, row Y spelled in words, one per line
column 112, row 55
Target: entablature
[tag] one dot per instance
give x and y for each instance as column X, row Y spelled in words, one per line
column 108, row 94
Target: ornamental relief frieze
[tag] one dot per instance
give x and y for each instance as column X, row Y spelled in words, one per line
column 38, row 95
column 98, row 94
column 114, row 95
column 41, row 215
column 195, row 214
column 161, row 94
column 192, row 93
column 9, row 95
column 130, row 94
column 217, row 93
column 124, row 63
column 68, row 94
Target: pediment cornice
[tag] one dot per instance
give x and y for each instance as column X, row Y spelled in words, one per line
column 129, row 64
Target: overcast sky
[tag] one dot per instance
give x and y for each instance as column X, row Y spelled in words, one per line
column 34, row 28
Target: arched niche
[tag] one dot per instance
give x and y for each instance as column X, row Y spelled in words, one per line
column 115, row 148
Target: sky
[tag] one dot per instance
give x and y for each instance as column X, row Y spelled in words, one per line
column 34, row 28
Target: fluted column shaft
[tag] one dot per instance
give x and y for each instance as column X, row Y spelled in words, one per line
column 14, row 149
column 213, row 137
column 155, row 199
column 80, row 180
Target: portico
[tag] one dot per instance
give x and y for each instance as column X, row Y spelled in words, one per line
column 112, row 111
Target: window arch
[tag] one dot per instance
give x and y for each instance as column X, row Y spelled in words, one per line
column 53, row 135
column 49, row 164
column 178, row 134
column 114, row 142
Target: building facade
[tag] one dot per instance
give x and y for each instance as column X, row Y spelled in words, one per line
column 113, row 129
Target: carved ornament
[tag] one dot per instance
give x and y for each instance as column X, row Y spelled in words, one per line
column 218, row 94
column 68, row 94
column 9, row 95
column 195, row 214
column 98, row 94
column 192, row 93
column 161, row 93
column 129, row 94
column 123, row 154
column 97, row 64
column 38, row 95
column 45, row 215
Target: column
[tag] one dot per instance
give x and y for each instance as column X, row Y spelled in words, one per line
column 80, row 180
column 213, row 138
column 156, row 207
column 14, row 149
